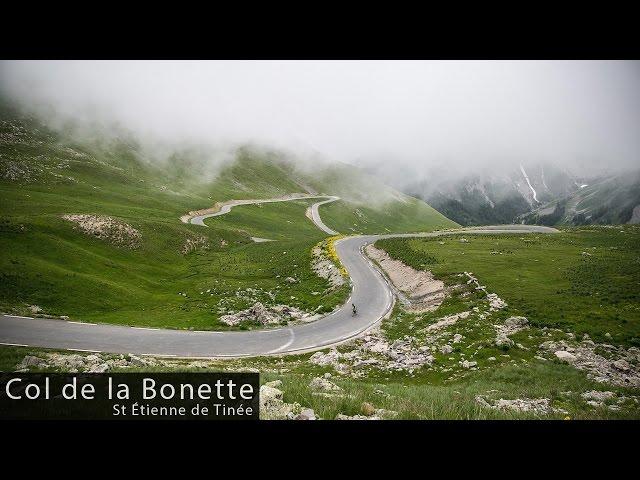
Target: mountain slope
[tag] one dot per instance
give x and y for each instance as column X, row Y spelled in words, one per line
column 613, row 199
column 531, row 192
column 90, row 229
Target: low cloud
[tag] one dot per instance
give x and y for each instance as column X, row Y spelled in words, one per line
column 454, row 114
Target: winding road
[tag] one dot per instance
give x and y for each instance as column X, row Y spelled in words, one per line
column 370, row 293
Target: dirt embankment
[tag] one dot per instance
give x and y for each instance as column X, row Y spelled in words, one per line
column 422, row 290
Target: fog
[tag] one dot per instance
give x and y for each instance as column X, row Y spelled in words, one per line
column 420, row 114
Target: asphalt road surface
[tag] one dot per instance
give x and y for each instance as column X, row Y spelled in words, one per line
column 371, row 294
column 199, row 219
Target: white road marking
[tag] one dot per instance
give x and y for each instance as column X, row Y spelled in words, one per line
column 18, row 316
column 81, row 323
column 287, row 347
column 292, row 337
column 14, row 344
column 83, row 350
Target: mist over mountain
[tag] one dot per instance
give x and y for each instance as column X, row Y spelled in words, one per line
column 482, row 141
column 422, row 113
column 527, row 193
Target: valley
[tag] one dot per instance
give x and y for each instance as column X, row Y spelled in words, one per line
column 99, row 274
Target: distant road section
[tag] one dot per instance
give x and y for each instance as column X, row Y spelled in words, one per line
column 370, row 292
column 198, row 217
column 313, row 213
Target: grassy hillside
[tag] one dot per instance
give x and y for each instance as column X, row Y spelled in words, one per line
column 176, row 275
column 406, row 215
column 585, row 280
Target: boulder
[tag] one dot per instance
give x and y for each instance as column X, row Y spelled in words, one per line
column 340, row 416
column 368, row 409
column 502, row 341
column 446, row 349
column 324, row 385
column 621, row 365
column 306, row 414
column 468, row 364
column 516, row 323
column 98, row 368
column 565, row 356
column 31, row 361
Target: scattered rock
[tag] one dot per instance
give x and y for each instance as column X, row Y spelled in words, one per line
column 106, row 228
column 93, row 363
column 511, row 325
column 322, row 384
column 375, row 351
column 537, row 406
column 340, row 416
column 331, row 358
column 565, row 356
column 263, row 315
column 446, row 321
column 35, row 309
column 598, row 396
column 620, row 367
column 502, row 341
column 194, row 243
column 306, row 414
column 468, row 364
column 30, row 361
column 272, row 406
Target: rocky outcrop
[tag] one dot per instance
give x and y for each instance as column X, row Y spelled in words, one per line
column 373, row 350
column 106, row 228
column 537, row 406
column 495, row 302
column 446, row 321
column 93, row 363
column 273, row 407
column 603, row 363
column 511, row 325
column 260, row 314
column 341, row 416
column 322, row 384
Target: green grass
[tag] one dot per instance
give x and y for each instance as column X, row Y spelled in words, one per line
column 396, row 217
column 547, row 278
column 49, row 264
column 44, row 261
column 410, row 397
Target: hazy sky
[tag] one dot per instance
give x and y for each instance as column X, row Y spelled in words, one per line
column 459, row 112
